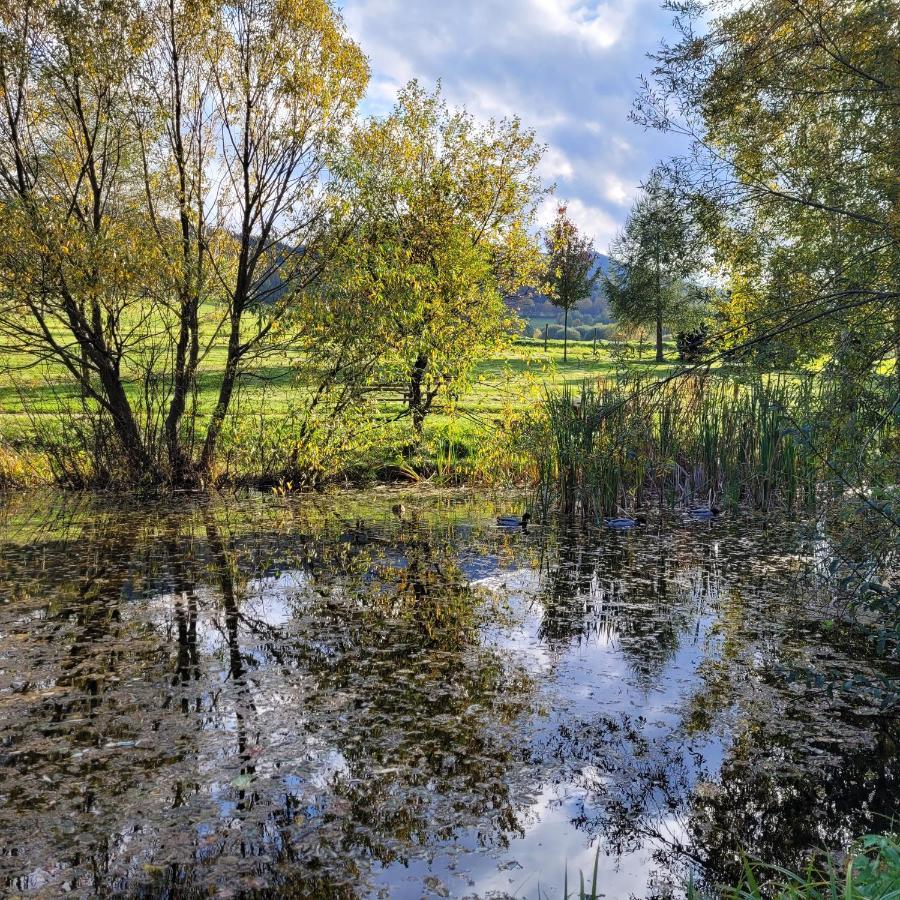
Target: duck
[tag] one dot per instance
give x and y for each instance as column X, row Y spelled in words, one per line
column 706, row 512
column 623, row 522
column 514, row 521
column 399, row 510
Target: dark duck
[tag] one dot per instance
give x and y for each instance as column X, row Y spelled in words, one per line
column 514, row 521
column 621, row 523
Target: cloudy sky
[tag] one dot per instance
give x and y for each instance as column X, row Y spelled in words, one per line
column 568, row 68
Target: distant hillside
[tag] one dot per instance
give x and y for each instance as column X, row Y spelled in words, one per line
column 529, row 304
column 602, row 261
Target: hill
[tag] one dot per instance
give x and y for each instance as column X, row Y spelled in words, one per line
column 530, row 304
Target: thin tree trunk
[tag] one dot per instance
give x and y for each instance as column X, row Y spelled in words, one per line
column 186, row 356
column 416, row 404
column 659, row 337
column 566, row 335
column 659, row 324
column 226, row 389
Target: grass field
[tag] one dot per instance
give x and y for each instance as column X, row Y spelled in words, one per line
column 42, row 415
column 520, row 374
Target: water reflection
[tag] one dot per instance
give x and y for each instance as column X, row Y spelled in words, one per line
column 317, row 699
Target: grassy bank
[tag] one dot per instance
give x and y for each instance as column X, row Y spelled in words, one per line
column 603, row 432
column 42, row 418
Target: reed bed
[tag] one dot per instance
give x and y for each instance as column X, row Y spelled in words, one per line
column 621, row 444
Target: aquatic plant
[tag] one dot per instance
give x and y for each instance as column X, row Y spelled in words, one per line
column 765, row 443
column 583, row 893
column 872, row 871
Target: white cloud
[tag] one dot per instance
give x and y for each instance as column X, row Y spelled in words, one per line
column 556, row 164
column 600, row 26
column 567, row 68
column 592, row 221
column 617, row 191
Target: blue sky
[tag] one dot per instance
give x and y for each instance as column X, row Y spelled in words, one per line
column 568, row 68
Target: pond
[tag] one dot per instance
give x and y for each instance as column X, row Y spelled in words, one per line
column 318, row 697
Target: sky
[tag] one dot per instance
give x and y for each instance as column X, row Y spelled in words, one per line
column 568, row 68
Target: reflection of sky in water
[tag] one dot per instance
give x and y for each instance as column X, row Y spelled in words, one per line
column 324, row 687
column 588, row 677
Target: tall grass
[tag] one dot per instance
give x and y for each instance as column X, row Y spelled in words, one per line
column 766, row 443
column 872, row 872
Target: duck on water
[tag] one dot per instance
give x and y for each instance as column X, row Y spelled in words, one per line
column 514, row 521
column 705, row 512
column 623, row 522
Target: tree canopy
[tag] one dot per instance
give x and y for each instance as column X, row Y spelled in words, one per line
column 651, row 260
column 441, row 210
column 792, row 106
column 156, row 158
column 572, row 268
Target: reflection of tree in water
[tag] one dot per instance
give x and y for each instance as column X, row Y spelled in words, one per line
column 72, row 732
column 367, row 727
column 801, row 770
column 192, row 737
column 424, row 712
column 642, row 595
column 778, row 803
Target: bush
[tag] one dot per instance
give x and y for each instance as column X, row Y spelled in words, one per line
column 692, row 345
column 557, row 332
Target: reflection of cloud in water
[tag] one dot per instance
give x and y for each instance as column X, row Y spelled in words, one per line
column 463, row 707
column 537, row 858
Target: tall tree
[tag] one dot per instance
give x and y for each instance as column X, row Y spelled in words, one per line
column 651, row 259
column 792, row 109
column 442, row 207
column 288, row 79
column 159, row 157
column 570, row 261
column 71, row 261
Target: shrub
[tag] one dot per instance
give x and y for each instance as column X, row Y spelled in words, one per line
column 557, row 332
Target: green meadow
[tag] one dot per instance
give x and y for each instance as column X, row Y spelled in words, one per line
column 31, row 392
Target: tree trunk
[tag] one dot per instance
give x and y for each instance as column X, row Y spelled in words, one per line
column 659, row 337
column 659, row 311
column 140, row 466
column 566, row 335
column 186, row 354
column 416, row 400
column 93, row 347
column 226, row 389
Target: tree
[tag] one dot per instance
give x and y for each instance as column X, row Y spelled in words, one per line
column 791, row 106
column 441, row 208
column 650, row 260
column 159, row 157
column 287, row 79
column 570, row 259
column 72, row 261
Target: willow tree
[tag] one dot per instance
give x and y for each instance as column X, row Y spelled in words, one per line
column 162, row 162
column 71, row 262
column 443, row 208
column 288, row 79
column 571, row 268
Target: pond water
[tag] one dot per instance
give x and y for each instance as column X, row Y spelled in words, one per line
column 314, row 697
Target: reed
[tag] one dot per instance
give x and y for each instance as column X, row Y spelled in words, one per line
column 871, row 871
column 772, row 442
